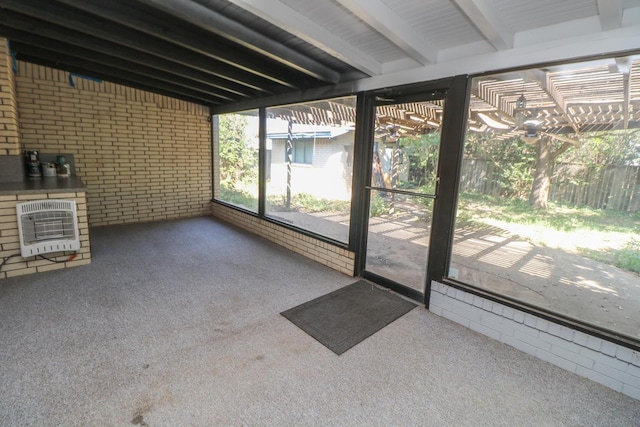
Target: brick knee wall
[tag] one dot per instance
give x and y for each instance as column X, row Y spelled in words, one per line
column 325, row 253
column 610, row 364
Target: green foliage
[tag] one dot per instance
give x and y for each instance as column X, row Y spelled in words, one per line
column 600, row 149
column 239, row 198
column 304, row 202
column 238, row 161
column 378, row 205
column 569, row 224
column 422, row 154
column 514, row 162
column 557, row 217
column 308, row 203
column 626, row 258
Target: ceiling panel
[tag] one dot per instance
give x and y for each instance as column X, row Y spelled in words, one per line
column 522, row 15
column 340, row 22
column 438, row 21
column 234, row 52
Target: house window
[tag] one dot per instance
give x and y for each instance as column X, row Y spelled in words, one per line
column 302, row 151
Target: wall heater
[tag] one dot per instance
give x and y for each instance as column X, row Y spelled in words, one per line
column 47, row 226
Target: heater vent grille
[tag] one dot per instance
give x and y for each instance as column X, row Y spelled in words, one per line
column 47, row 226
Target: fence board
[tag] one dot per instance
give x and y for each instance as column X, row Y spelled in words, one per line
column 609, row 187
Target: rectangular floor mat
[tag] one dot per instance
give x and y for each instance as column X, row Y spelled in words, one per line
column 343, row 318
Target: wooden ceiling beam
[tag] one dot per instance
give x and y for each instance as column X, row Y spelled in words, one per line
column 216, row 23
column 68, row 18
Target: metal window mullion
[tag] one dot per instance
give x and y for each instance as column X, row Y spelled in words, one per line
column 262, row 161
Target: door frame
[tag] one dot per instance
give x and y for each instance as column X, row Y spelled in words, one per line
column 452, row 133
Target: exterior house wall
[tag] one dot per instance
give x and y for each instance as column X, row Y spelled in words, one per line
column 328, row 177
column 142, row 156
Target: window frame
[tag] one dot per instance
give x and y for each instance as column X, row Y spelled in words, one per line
column 552, row 316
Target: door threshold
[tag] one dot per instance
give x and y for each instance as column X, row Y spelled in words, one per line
column 394, row 286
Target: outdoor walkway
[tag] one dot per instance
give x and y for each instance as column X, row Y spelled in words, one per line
column 177, row 323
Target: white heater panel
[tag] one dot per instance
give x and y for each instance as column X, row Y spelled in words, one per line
column 46, row 226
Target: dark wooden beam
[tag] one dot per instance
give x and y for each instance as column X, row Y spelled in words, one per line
column 35, row 45
column 10, row 22
column 172, row 30
column 203, row 17
column 113, row 79
column 85, row 23
column 68, row 63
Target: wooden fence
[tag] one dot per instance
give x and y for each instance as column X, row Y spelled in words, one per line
column 607, row 187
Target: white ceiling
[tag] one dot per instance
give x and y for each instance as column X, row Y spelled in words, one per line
column 404, row 41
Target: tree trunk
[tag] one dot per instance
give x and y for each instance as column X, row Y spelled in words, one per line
column 542, row 178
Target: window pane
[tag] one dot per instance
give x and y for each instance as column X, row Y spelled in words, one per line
column 236, row 144
column 549, row 202
column 313, row 190
column 398, row 237
column 403, row 161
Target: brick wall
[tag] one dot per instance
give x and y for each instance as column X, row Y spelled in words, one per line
column 332, row 256
column 142, row 156
column 602, row 361
column 10, row 240
column 9, row 136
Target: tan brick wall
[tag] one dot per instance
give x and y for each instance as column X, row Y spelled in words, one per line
column 10, row 240
column 144, row 157
column 325, row 253
column 9, row 135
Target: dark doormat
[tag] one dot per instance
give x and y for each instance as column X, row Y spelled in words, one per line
column 341, row 319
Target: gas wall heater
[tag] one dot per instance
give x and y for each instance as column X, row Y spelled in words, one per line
column 47, row 226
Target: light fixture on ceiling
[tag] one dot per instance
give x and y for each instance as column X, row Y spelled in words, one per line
column 519, row 112
column 393, row 133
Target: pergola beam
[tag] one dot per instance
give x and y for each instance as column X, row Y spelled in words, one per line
column 552, row 92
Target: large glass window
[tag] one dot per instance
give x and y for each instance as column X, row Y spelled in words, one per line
column 236, row 144
column 549, row 200
column 309, row 165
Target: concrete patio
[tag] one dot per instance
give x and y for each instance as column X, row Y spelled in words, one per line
column 177, row 323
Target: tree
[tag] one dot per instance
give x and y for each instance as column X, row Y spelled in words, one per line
column 513, row 162
column 597, row 149
column 546, row 154
column 237, row 159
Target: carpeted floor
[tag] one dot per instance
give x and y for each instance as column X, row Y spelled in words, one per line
column 178, row 323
